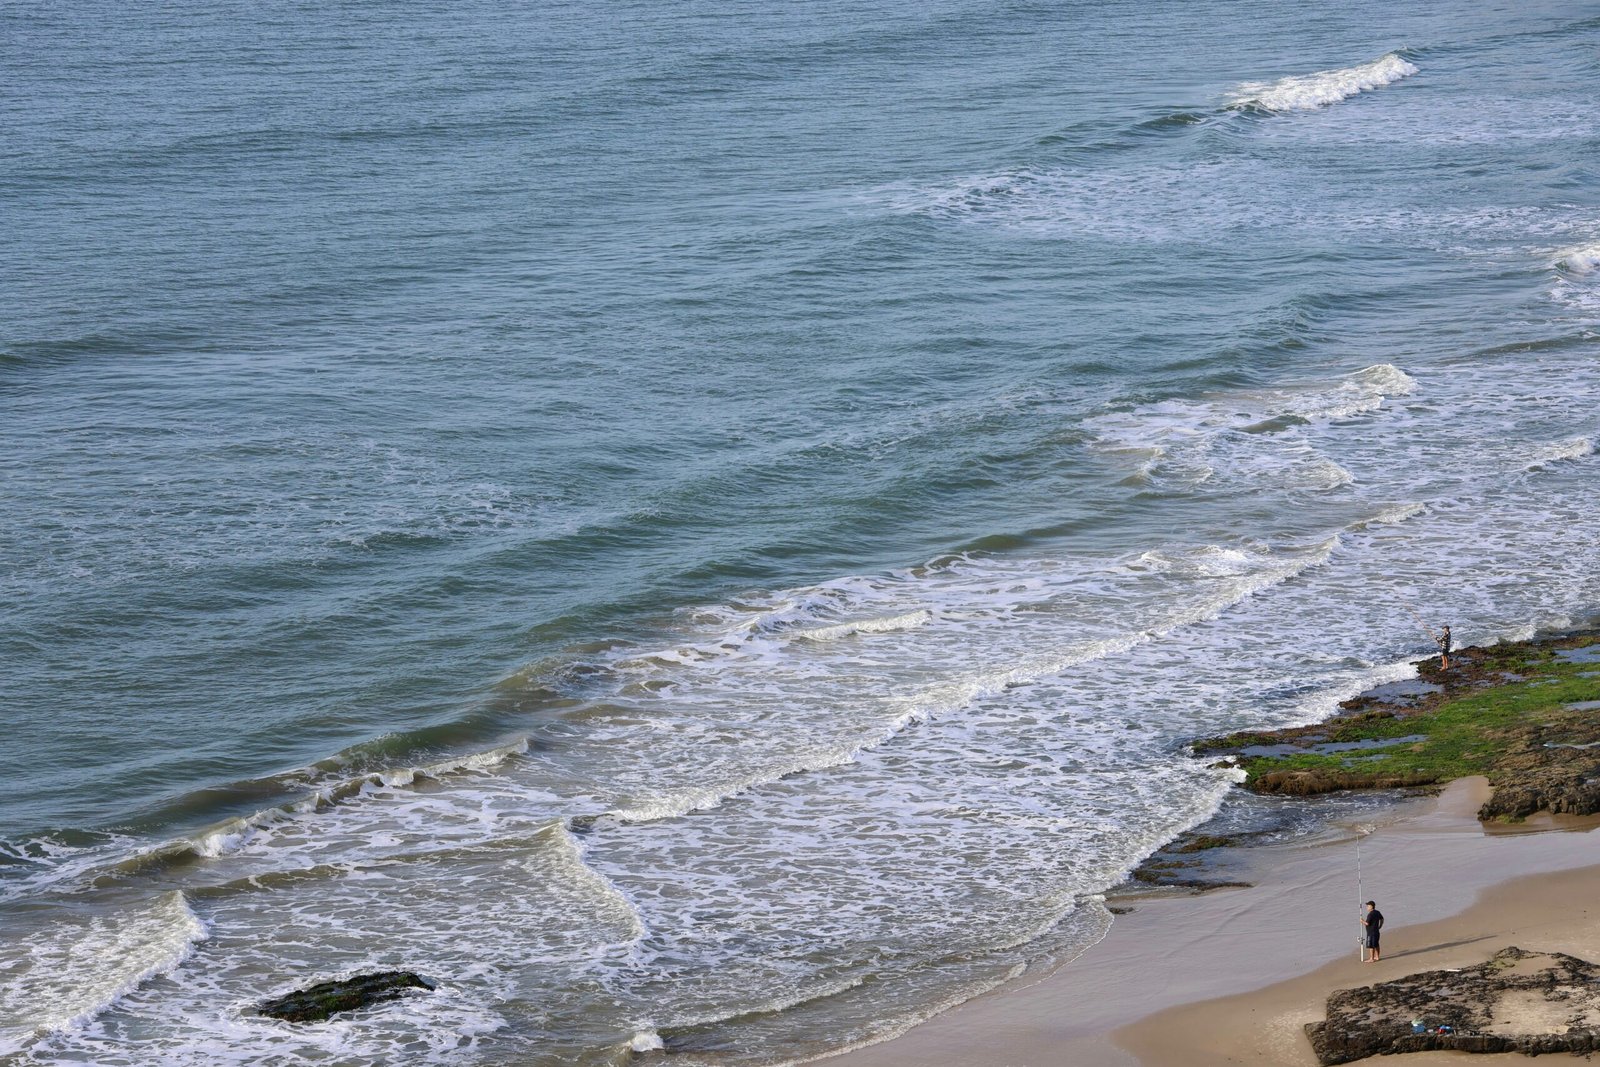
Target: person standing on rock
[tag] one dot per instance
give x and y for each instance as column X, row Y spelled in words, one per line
column 1444, row 649
column 1372, row 923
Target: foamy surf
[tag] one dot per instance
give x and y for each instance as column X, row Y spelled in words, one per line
column 1575, row 283
column 1392, row 515
column 41, row 862
column 1310, row 91
column 605, row 894
column 735, row 672
column 258, row 829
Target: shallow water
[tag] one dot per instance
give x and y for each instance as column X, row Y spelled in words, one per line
column 712, row 526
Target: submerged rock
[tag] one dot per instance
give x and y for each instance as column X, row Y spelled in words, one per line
column 1527, row 1002
column 315, row 1004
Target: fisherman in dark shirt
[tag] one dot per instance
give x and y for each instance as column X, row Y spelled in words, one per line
column 1372, row 922
column 1444, row 650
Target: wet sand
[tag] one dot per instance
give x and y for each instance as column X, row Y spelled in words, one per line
column 1231, row 977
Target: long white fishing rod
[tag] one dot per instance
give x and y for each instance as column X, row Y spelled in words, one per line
column 1361, row 901
column 1426, row 628
column 1361, row 931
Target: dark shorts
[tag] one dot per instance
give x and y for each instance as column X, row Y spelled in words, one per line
column 1372, row 939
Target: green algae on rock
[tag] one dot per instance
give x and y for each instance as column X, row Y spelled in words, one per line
column 1524, row 714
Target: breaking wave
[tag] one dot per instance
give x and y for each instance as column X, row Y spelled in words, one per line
column 1176, row 587
column 867, row 626
column 76, row 968
column 1252, row 437
column 1310, row 91
column 237, row 833
column 1580, row 260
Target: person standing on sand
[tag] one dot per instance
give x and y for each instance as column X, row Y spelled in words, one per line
column 1372, row 921
column 1444, row 649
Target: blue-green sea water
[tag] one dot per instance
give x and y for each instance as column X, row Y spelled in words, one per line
column 707, row 527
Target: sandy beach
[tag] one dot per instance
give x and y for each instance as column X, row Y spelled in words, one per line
column 1232, row 976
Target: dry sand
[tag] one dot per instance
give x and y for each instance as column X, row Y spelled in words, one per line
column 1231, row 977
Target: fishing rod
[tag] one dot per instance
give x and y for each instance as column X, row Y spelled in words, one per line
column 1361, row 931
column 1425, row 627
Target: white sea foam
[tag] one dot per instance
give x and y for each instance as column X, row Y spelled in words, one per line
column 606, row 896
column 36, row 864
column 1160, row 202
column 1575, row 284
column 1393, row 514
column 238, row 832
column 963, row 196
column 1310, row 91
column 739, row 664
column 897, row 1027
column 1324, row 703
column 646, row 1041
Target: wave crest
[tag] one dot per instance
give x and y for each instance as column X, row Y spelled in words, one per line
column 1307, row 92
column 1580, row 260
column 77, row 969
column 1561, row 451
column 1248, row 435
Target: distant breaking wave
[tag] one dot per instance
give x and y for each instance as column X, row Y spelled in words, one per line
column 1576, row 274
column 1307, row 92
column 1250, row 436
column 1561, row 451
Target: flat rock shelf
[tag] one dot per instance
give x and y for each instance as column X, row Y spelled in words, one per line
column 1518, row 1001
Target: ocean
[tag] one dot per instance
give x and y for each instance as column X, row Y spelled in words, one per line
column 706, row 529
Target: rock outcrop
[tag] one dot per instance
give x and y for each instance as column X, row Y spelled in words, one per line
column 315, row 1004
column 1527, row 1002
column 1524, row 714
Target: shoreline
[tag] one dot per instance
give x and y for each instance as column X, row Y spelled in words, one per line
column 1222, row 964
column 1549, row 911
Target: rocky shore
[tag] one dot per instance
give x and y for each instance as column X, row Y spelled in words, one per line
column 1524, row 714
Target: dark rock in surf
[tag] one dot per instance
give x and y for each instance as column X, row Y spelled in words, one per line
column 315, row 1004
